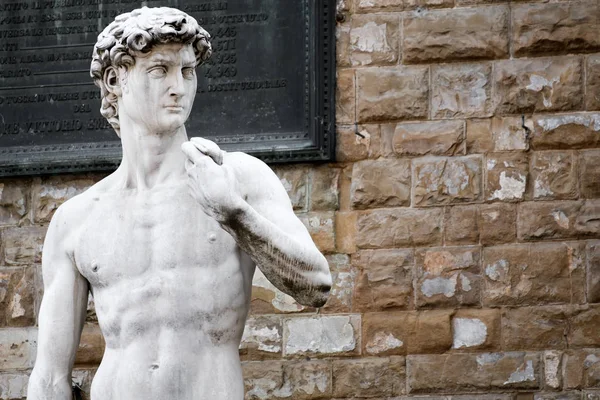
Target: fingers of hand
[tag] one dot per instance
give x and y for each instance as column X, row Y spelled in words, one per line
column 209, row 148
column 192, row 153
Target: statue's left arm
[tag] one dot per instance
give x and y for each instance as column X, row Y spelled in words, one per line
column 250, row 203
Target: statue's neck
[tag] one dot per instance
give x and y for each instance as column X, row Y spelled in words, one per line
column 151, row 158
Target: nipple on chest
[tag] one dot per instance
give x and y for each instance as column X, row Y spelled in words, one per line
column 212, row 237
column 94, row 266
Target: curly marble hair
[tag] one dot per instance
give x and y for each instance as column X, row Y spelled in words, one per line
column 134, row 34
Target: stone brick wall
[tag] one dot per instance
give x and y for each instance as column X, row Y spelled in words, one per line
column 461, row 221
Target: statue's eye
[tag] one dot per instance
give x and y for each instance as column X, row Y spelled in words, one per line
column 188, row 72
column 158, row 72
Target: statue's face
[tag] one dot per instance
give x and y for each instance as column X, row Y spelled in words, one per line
column 159, row 90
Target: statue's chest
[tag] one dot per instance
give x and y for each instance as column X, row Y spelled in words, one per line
column 124, row 237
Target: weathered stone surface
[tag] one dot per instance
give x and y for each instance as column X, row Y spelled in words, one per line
column 584, row 327
column 552, row 370
column 353, row 147
column 285, row 380
column 392, row 93
column 267, row 299
column 593, row 271
column 83, row 377
column 369, row 377
column 509, row 134
column 534, row 328
column 343, row 275
column 461, row 90
column 581, row 369
column 345, row 97
column 381, row 183
column 566, row 131
column 439, row 181
column 589, row 164
column 592, row 95
column 442, row 138
column 322, row 335
column 479, row 136
column 262, row 338
column 17, row 297
column 91, row 346
column 555, row 28
column 383, row 144
column 13, row 386
column 379, row 5
column 506, row 176
column 23, row 246
column 345, row 232
column 342, row 35
column 416, row 4
column 462, row 33
column 587, row 223
column 17, row 348
column 461, row 225
column 384, row 279
column 51, row 192
column 472, row 372
column 400, row 227
column 411, row 332
column 374, row 39
column 474, row 329
column 320, row 225
column 522, row 274
column 14, row 201
column 497, row 223
column 324, row 188
column 558, row 396
column 448, row 276
column 554, row 175
column 526, row 86
column 295, row 182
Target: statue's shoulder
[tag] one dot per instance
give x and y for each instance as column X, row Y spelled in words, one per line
column 72, row 211
column 248, row 168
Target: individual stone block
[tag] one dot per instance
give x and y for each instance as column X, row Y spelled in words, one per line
column 345, row 97
column 320, row 225
column 91, row 346
column 497, row 223
column 440, row 181
column 384, row 279
column 584, row 327
column 472, row 372
column 429, row 4
column 343, row 275
column 295, row 182
column 448, row 276
column 324, row 188
column 592, row 95
column 14, row 201
column 353, row 147
column 593, row 271
column 322, row 335
column 462, row 33
column 589, row 164
column 381, row 183
column 262, row 338
column 51, row 192
column 506, row 176
column 461, row 90
column 411, row 332
column 567, row 131
column 509, row 134
column 535, row 85
column 479, row 136
column 392, row 93
column 374, row 39
column 521, row 274
column 586, row 224
column 18, row 348
column 474, row 329
column 581, row 369
column 379, row 5
column 549, row 220
column 461, row 225
column 552, row 371
column 369, row 377
column 23, row 246
column 284, row 380
column 400, row 227
column 345, row 232
column 442, row 138
column 554, row 175
column 555, row 28
column 13, row 385
column 17, row 297
column 534, row 328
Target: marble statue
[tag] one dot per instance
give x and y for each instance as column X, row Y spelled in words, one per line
column 168, row 243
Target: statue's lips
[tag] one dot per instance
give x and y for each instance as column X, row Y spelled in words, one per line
column 174, row 108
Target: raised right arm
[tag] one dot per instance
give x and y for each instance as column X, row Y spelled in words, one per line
column 61, row 317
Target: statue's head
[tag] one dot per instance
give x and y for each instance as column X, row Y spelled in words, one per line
column 133, row 38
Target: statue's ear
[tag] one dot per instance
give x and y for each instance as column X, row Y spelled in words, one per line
column 112, row 82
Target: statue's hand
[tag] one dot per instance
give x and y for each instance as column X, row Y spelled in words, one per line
column 211, row 183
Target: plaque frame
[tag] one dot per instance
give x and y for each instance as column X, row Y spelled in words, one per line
column 315, row 144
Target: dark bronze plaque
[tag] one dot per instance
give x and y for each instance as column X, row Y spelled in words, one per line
column 267, row 90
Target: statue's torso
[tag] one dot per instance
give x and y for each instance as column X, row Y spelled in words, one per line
column 171, row 290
